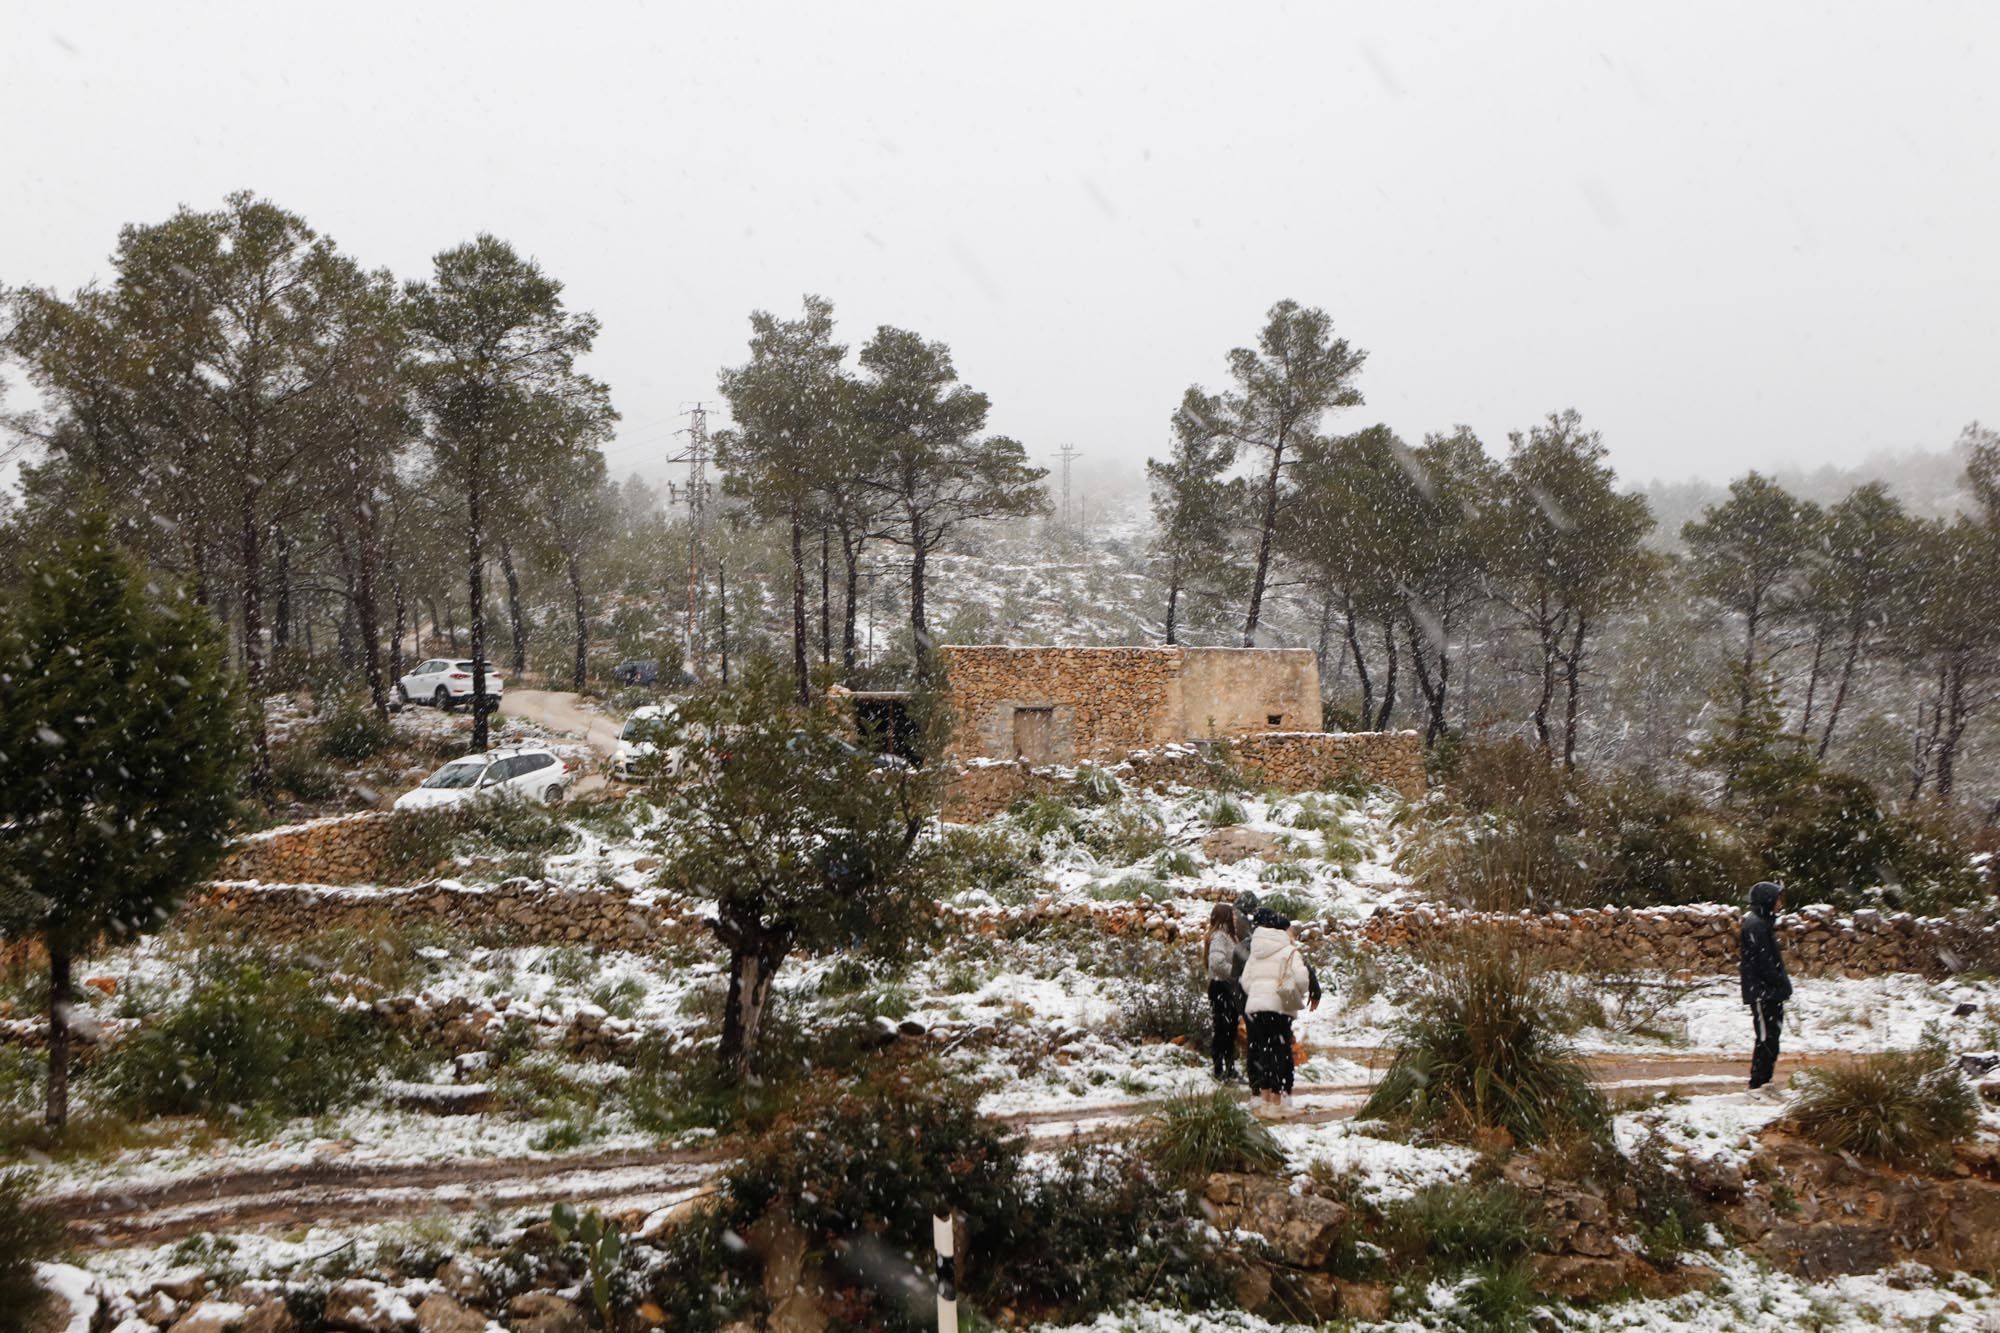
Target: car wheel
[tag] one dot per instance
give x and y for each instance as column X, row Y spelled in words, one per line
column 554, row 795
column 402, row 696
column 442, row 699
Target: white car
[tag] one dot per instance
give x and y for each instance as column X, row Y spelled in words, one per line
column 638, row 742
column 445, row 681
column 527, row 772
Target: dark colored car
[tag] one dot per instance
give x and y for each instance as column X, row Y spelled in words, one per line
column 637, row 671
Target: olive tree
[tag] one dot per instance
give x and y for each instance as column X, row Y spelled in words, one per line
column 802, row 839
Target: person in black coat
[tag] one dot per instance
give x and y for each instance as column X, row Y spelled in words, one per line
column 1766, row 986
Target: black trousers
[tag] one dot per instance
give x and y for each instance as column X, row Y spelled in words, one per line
column 1225, row 1006
column 1270, row 1052
column 1767, row 1018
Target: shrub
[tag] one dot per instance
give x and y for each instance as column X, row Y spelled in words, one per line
column 1480, row 1050
column 1521, row 863
column 1224, row 810
column 1193, row 1136
column 1161, row 992
column 1667, row 847
column 421, row 840
column 1178, row 862
column 28, row 1234
column 299, row 773
column 1904, row 1107
column 352, row 730
column 1123, row 836
column 1459, row 1224
column 1044, row 815
column 992, row 860
column 1101, row 1231
column 1094, row 786
column 248, row 1040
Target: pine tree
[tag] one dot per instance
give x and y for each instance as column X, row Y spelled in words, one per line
column 1193, row 507
column 121, row 751
column 1750, row 554
column 1285, row 386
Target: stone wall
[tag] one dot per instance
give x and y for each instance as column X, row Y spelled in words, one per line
column 515, row 912
column 1696, row 940
column 1240, row 691
column 1289, row 761
column 1105, row 702
column 344, row 849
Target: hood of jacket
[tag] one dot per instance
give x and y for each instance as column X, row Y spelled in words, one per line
column 1764, row 899
column 1268, row 944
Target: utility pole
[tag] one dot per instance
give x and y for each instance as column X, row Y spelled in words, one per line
column 696, row 458
column 1067, row 453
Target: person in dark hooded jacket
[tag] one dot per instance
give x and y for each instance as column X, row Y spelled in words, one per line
column 1766, row 986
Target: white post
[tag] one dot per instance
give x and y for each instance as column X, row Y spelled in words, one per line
column 947, row 1290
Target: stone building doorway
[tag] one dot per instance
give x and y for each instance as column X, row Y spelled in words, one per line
column 1035, row 735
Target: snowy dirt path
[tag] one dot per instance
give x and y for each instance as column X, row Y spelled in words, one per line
column 646, row 1180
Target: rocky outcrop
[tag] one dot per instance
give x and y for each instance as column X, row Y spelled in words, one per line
column 1821, row 1214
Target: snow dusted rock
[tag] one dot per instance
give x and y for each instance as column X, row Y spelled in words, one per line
column 269, row 1316
column 211, row 1317
column 544, row 1312
column 462, row 1281
column 1301, row 1228
column 367, row 1307
column 1227, row 846
column 441, row 1314
column 158, row 1309
column 77, row 1296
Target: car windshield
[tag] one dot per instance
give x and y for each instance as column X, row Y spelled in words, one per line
column 464, row 773
column 643, row 728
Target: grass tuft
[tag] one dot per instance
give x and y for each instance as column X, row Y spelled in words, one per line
column 1481, row 1050
column 1906, row 1108
column 1195, row 1135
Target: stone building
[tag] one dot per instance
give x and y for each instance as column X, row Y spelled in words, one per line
column 1067, row 705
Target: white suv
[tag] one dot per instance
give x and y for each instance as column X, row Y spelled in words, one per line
column 525, row 771
column 639, row 743
column 445, row 682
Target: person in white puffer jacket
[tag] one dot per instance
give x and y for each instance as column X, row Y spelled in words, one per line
column 1276, row 984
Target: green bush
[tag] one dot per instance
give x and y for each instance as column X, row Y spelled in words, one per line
column 28, row 1235
column 1193, row 1136
column 1044, row 815
column 1459, row 1224
column 248, row 1040
column 1094, row 786
column 419, row 841
column 1122, row 836
column 1519, row 864
column 352, row 731
column 1907, row 1108
column 990, row 859
column 1481, row 1050
column 1101, row 1231
column 300, row 773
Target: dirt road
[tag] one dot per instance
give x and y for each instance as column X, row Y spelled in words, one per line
column 645, row 1181
column 559, row 711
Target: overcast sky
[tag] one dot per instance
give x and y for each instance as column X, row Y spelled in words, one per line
column 1730, row 235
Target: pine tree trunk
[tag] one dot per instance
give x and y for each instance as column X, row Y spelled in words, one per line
column 514, row 617
column 920, row 627
column 1360, row 663
column 800, row 668
column 1840, row 690
column 1264, row 539
column 56, row 1113
column 475, row 588
column 281, row 619
column 367, row 555
column 1432, row 688
column 1573, row 685
column 574, row 564
column 1173, row 601
column 825, row 596
column 1389, row 679
column 1957, row 717
column 722, row 613
column 252, row 554
column 396, row 639
column 850, row 594
column 1547, row 631
column 1812, row 679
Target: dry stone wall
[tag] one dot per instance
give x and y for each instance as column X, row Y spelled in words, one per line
column 515, row 912
column 1105, row 701
column 344, row 849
